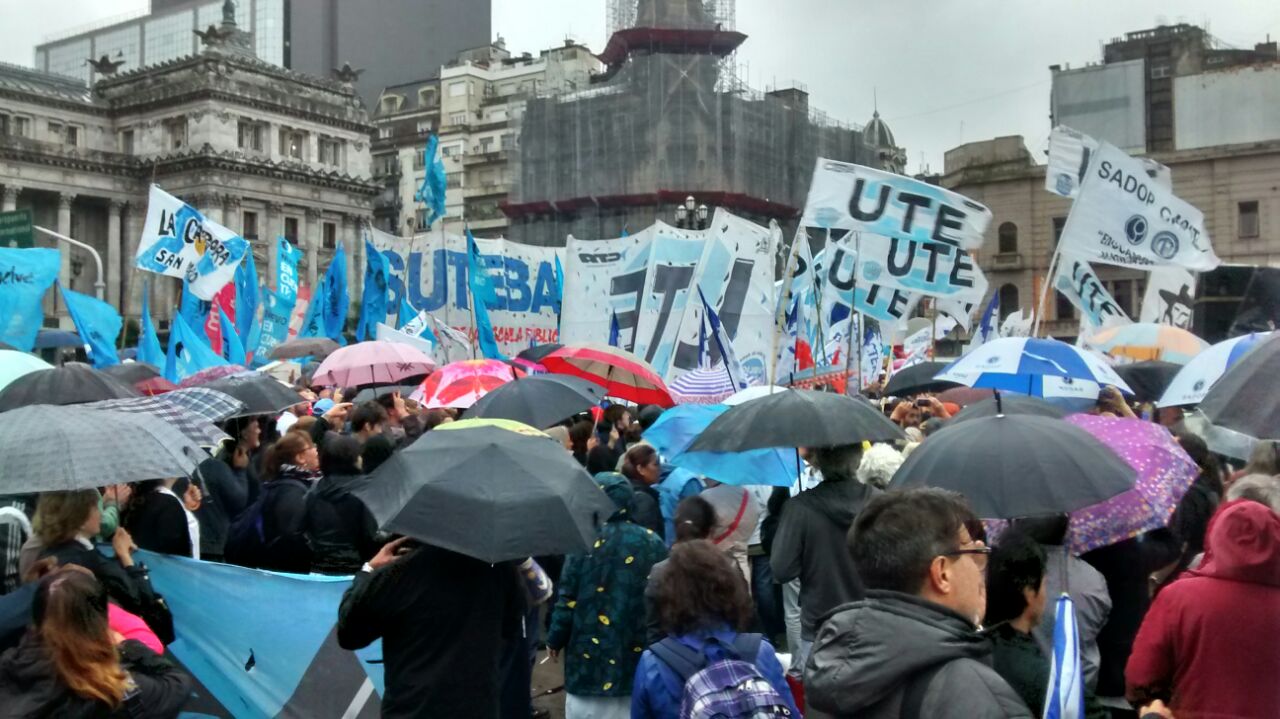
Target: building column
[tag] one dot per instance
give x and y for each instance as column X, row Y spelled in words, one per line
column 274, row 216
column 114, row 209
column 231, row 216
column 64, row 270
column 311, row 238
column 10, row 202
column 211, row 207
column 355, row 254
column 132, row 220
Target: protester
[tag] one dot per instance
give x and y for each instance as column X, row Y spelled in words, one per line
column 243, row 454
column 271, row 534
column 434, row 418
column 598, row 624
column 642, row 467
column 1191, row 519
column 225, row 493
column 71, row 664
column 1264, row 459
column 580, row 435
column 1015, row 603
column 1207, row 647
column 368, row 420
column 444, row 620
column 878, row 465
column 340, row 531
column 15, row 530
column 695, row 519
column 561, row 436
column 604, row 449
column 159, row 520
column 1260, row 488
column 703, row 607
column 377, row 449
column 737, row 516
column 911, row 648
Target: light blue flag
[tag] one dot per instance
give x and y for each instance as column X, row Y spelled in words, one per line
column 232, row 347
column 98, row 324
column 1065, row 697
column 373, row 303
column 188, row 353
column 406, row 313
column 989, row 326
column 149, row 349
column 246, row 280
column 277, row 306
column 483, row 295
column 327, row 313
column 194, row 311
column 431, row 192
column 25, row 274
column 312, row 323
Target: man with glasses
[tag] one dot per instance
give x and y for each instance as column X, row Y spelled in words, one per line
column 911, row 648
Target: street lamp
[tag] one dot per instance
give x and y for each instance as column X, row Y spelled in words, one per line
column 691, row 215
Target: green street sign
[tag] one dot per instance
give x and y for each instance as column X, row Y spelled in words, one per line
column 15, row 228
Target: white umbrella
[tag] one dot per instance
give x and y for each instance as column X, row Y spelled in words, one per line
column 1195, row 378
column 1038, row 367
column 751, row 393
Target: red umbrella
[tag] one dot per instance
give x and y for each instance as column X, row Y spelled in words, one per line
column 462, row 384
column 154, row 386
column 622, row 374
column 208, row 375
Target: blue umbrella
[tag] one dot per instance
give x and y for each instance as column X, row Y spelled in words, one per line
column 1038, row 367
column 48, row 339
column 676, row 429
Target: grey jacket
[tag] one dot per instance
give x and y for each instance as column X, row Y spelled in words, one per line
column 1088, row 590
column 868, row 652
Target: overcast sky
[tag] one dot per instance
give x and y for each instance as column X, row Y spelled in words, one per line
column 944, row 71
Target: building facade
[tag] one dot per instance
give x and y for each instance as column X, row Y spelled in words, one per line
column 265, row 151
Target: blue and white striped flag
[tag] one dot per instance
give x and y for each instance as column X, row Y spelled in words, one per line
column 178, row 241
column 1065, row 698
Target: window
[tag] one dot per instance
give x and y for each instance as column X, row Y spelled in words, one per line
column 1159, row 70
column 458, row 89
column 1008, row 300
column 509, row 141
column 1008, row 235
column 292, row 143
column 250, row 135
column 126, row 142
column 427, row 97
column 424, row 126
column 4, row 124
column 1058, row 224
column 330, row 151
column 175, row 131
column 1065, row 310
column 1247, row 224
column 453, row 181
column 486, row 145
column 55, row 131
column 420, row 219
column 458, row 118
column 250, row 225
column 72, row 136
column 1122, row 291
column 330, row 233
column 384, row 132
column 291, row 229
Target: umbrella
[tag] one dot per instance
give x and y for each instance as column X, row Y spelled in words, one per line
column 964, row 396
column 1164, row 470
column 916, row 379
column 676, row 429
column 490, row 489
column 194, row 426
column 1008, row 404
column 144, row 377
column 47, row 448
column 260, row 393
column 1195, row 378
column 50, row 339
column 318, row 347
column 537, row 353
column 1039, row 367
column 1244, row 399
column 462, row 384
column 796, row 418
column 1147, row 341
column 372, row 363
column 14, row 364
column 1021, row 466
column 539, row 401
column 372, row 393
column 209, row 374
column 283, row 371
column 72, row 383
column 751, row 393
column 527, row 366
column 622, row 374
column 703, row 385
column 209, row 403
column 1148, row 379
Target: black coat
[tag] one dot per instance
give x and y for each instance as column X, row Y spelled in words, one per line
column 158, row 523
column 226, row 493
column 30, row 687
column 130, row 588
column 284, row 524
column 646, row 508
column 443, row 619
column 340, row 530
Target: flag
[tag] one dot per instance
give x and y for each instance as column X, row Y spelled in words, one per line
column 989, row 325
column 872, row 355
column 246, row 281
column 1170, row 297
column 419, row 325
column 25, row 274
column 373, row 304
column 559, row 293
column 406, row 313
column 615, row 334
column 451, row 333
column 431, row 191
column 232, row 347
column 1017, row 324
column 178, row 241
column 916, row 346
column 224, row 300
column 482, row 294
column 188, row 352
column 725, row 346
column 327, row 313
column 786, row 361
column 1065, row 698
column 386, row 333
column 149, row 350
column 98, row 324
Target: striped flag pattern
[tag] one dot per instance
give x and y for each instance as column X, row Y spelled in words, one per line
column 1065, row 698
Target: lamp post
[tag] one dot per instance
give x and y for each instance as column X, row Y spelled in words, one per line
column 691, row 215
column 99, row 287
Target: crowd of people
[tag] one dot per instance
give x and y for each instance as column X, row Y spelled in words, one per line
column 838, row 596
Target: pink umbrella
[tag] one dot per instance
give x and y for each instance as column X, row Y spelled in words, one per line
column 369, row 363
column 208, row 375
column 462, row 384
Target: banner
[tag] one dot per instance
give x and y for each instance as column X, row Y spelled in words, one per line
column 933, row 269
column 98, row 324
column 1076, row 280
column 373, row 302
column 1069, row 155
column 1170, row 297
column 842, row 289
column 25, row 274
column 1123, row 217
column 149, row 349
column 188, row 352
column 1017, row 324
column 278, row 310
column 604, row 278
column 247, row 299
column 178, row 241
column 854, row 197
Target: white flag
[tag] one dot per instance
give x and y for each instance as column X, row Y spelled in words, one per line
column 386, row 333
column 1170, row 297
column 1069, row 154
column 1017, row 324
column 178, row 241
column 1076, row 280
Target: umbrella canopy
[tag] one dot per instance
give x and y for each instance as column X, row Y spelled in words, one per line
column 964, row 396
column 193, row 425
column 1147, row 341
column 622, row 374
column 1022, row 466
column 916, row 379
column 72, row 383
column 537, row 353
column 209, row 403
column 704, row 385
column 317, row 347
column 47, row 448
column 1164, row 469
column 1148, row 379
column 1009, row 404
column 15, row 364
column 283, row 371
column 462, row 384
column 205, row 376
column 676, row 429
column 1244, row 399
column 260, row 393
column 374, row 362
column 1193, row 381
column 490, row 489
column 538, row 401
column 133, row 372
column 371, row 393
column 1038, row 367
column 796, row 418
column 51, row 339
column 751, row 393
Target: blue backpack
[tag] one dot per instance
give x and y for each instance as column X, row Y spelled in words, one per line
column 728, row 688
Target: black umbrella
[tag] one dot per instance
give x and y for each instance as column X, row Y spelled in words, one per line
column 796, row 418
column 1017, row 466
column 261, row 394
column 372, row 393
column 73, row 383
column 537, row 353
column 133, row 372
column 1244, row 399
column 317, row 347
column 1149, row 379
column 916, row 379
column 540, row 400
column 50, row 339
column 1009, row 404
column 490, row 489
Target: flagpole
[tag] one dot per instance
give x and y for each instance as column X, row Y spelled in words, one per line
column 854, row 314
column 1044, row 290
column 933, row 333
column 471, row 303
column 781, row 312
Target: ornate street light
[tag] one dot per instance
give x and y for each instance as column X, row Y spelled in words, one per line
column 691, row 215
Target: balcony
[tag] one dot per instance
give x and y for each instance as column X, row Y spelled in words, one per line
column 1007, row 261
column 488, row 189
column 484, row 158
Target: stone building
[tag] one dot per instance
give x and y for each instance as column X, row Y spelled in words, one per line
column 263, row 150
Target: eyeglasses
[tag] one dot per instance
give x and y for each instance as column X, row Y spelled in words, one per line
column 982, row 551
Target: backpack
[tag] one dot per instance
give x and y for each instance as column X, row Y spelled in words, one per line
column 729, row 688
column 247, row 543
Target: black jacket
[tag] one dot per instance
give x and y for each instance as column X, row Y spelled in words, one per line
column 30, row 687
column 284, row 523
column 340, row 530
column 810, row 545
column 130, row 588
column 646, row 508
column 158, row 523
column 226, row 493
column 443, row 619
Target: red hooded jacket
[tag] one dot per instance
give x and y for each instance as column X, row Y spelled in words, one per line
column 1210, row 644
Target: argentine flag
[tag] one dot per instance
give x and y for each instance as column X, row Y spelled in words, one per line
column 1065, row 698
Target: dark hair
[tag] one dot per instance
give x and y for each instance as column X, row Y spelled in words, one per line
column 700, row 587
column 899, row 533
column 648, row 414
column 615, row 413
column 284, row 451
column 931, row 425
column 69, row 611
column 1050, row 529
column 1017, row 562
column 387, row 401
column 340, row 455
column 1199, row 452
column 367, row 415
column 638, row 456
column 694, row 519
column 836, row 463
column 377, row 449
column 434, row 418
column 59, row 515
column 140, row 497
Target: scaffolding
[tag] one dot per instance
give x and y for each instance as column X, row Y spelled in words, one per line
column 688, row 14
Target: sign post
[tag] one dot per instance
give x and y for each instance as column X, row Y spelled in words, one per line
column 15, row 229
